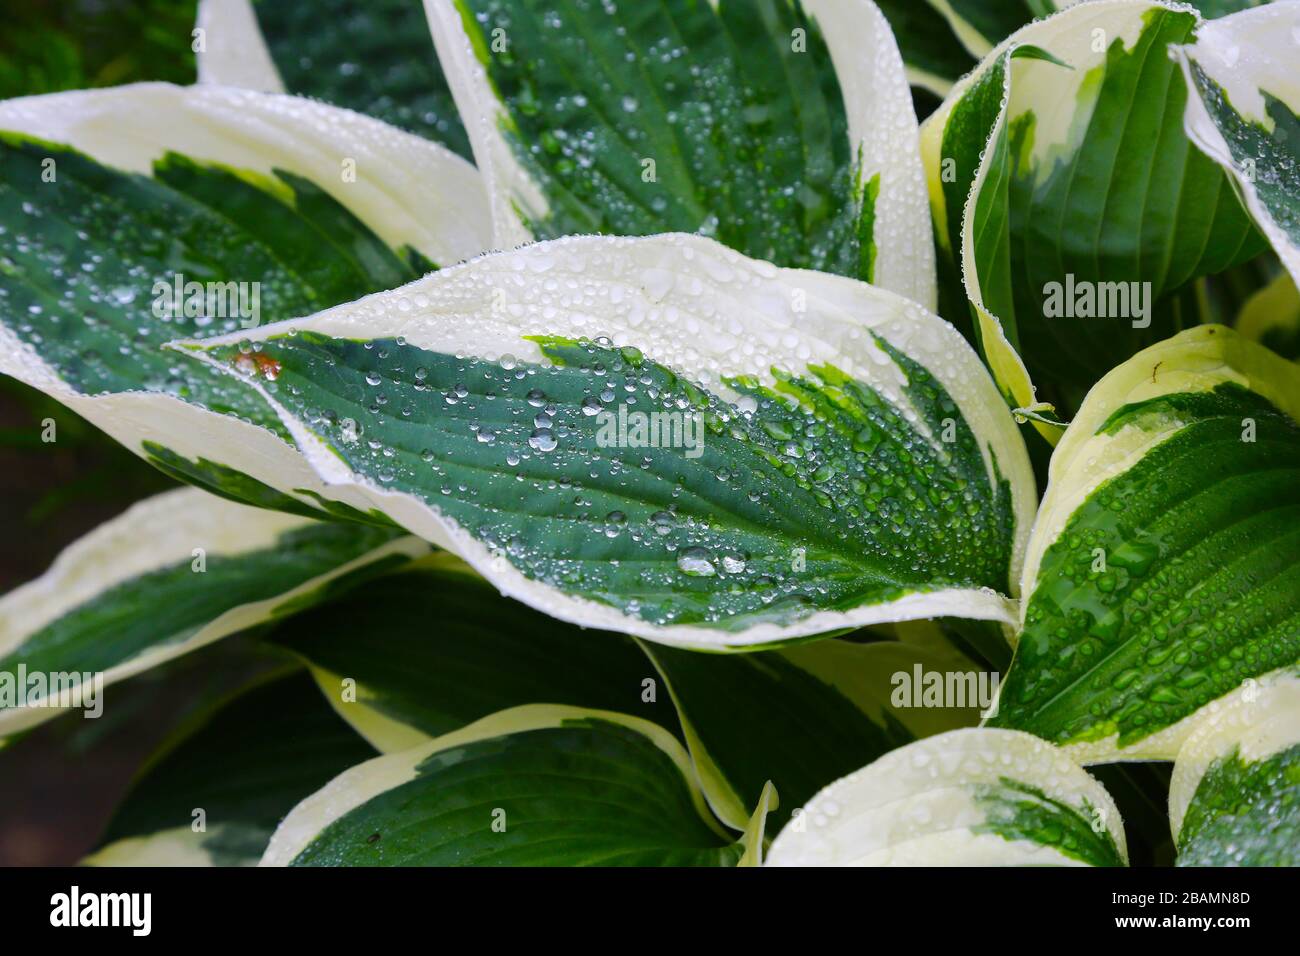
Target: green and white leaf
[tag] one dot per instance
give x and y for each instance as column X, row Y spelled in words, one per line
column 537, row 785
column 811, row 487
column 974, row 797
column 1242, row 110
column 1234, row 799
column 372, row 56
column 1066, row 192
column 798, row 717
column 244, row 765
column 419, row 654
column 172, row 574
column 107, row 196
column 786, row 131
column 1164, row 567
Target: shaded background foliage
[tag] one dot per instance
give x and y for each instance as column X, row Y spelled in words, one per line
column 50, row 45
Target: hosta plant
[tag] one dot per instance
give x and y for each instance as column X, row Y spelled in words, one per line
column 683, row 432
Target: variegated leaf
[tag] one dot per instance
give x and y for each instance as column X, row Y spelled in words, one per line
column 670, row 116
column 135, row 215
column 537, row 785
column 170, row 575
column 1242, row 114
column 1070, row 202
column 1234, row 799
column 975, row 797
column 1164, row 566
column 663, row 437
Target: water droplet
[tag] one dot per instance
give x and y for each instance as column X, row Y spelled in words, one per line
column 733, row 563
column 696, row 562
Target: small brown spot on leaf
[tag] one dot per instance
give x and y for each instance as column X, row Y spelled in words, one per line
column 258, row 363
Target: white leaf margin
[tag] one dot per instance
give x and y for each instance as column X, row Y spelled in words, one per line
column 1258, row 719
column 915, row 807
column 190, row 431
column 233, row 50
column 386, row 733
column 883, row 131
column 1244, row 53
column 365, row 781
column 153, row 534
column 702, row 309
column 409, row 190
column 1193, row 361
column 1067, row 35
